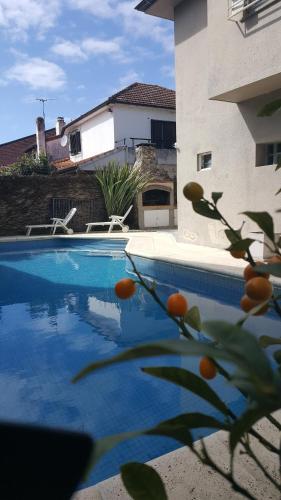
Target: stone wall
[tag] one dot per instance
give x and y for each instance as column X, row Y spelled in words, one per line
column 29, row 200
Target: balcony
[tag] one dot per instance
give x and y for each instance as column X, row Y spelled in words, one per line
column 239, row 10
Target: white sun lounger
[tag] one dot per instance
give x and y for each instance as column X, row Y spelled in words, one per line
column 115, row 220
column 62, row 223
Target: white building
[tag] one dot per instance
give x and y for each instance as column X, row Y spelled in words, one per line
column 228, row 66
column 139, row 113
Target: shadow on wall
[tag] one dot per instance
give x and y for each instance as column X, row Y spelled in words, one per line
column 190, row 21
column 260, row 19
column 262, row 129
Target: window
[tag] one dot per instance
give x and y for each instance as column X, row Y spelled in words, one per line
column 204, row 160
column 273, row 153
column 163, row 134
column 268, row 154
column 75, row 143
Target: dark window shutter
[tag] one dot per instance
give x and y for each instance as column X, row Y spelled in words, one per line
column 169, row 134
column 75, row 143
column 163, row 134
column 156, row 133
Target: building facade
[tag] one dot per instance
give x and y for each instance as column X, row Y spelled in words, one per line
column 138, row 113
column 228, row 67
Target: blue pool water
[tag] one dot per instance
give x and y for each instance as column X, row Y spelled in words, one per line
column 58, row 312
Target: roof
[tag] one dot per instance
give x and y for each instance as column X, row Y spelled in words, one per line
column 158, row 8
column 137, row 94
column 64, row 164
column 11, row 151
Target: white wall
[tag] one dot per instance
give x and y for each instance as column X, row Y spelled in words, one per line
column 135, row 121
column 97, row 136
column 229, row 130
column 243, row 53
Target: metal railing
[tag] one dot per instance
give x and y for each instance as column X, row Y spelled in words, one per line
column 125, row 140
column 236, row 7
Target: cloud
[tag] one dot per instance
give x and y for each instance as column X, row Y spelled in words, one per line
column 130, row 77
column 83, row 49
column 99, row 8
column 96, row 46
column 17, row 17
column 133, row 22
column 68, row 50
column 37, row 73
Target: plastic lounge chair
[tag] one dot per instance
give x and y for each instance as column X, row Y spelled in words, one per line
column 55, row 224
column 115, row 220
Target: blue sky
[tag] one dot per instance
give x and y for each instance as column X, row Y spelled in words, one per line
column 77, row 51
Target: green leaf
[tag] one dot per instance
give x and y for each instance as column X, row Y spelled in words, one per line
column 176, row 428
column 184, row 422
column 266, row 341
column 193, row 319
column 274, row 269
column 279, row 191
column 232, row 237
column 264, row 221
column 241, row 245
column 244, row 347
column 189, row 381
column 270, row 108
column 202, row 208
column 164, row 347
column 244, row 424
column 216, row 197
column 278, row 166
column 142, row 482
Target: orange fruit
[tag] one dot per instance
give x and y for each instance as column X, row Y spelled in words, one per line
column 177, row 305
column 207, row 368
column 258, row 289
column 238, row 254
column 249, row 272
column 125, row 288
column 248, row 304
column 193, row 191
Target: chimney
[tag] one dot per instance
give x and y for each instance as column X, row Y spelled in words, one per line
column 60, row 123
column 40, row 136
column 146, row 157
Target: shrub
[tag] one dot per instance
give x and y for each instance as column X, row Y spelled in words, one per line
column 120, row 184
column 28, row 165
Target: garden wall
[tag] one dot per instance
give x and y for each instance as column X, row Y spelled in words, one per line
column 35, row 199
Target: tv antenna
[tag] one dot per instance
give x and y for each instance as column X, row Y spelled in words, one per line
column 44, row 100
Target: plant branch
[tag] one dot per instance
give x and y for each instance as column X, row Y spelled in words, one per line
column 153, row 293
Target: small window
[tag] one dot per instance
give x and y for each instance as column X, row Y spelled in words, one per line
column 75, row 143
column 268, row 154
column 204, row 160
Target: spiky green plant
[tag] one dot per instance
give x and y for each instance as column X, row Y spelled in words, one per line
column 120, row 184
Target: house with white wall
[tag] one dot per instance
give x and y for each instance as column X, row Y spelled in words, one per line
column 110, row 131
column 228, row 66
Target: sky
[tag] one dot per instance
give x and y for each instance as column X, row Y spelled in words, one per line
column 77, row 52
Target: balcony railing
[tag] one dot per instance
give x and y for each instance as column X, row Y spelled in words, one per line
column 236, row 7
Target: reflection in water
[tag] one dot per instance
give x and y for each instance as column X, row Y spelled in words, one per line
column 59, row 312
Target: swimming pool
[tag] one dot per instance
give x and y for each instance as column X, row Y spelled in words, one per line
column 58, row 312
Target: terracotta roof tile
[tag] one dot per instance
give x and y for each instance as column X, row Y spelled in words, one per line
column 145, row 94
column 65, row 163
column 11, row 151
column 138, row 94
